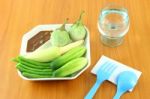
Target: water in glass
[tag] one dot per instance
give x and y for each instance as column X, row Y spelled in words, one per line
column 113, row 24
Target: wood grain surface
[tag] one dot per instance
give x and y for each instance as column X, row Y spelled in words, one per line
column 19, row 16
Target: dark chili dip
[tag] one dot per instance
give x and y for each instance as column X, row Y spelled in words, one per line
column 38, row 40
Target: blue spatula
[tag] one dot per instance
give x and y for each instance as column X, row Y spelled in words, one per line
column 125, row 81
column 103, row 74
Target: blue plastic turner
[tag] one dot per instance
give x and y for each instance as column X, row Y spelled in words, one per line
column 125, row 81
column 103, row 74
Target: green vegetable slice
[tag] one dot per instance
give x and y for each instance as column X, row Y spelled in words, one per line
column 24, row 68
column 30, row 75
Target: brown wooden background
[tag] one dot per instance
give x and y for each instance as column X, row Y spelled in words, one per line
column 19, row 16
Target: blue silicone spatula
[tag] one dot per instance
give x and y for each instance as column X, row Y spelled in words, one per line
column 125, row 81
column 103, row 73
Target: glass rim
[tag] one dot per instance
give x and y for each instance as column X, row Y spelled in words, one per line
column 115, row 6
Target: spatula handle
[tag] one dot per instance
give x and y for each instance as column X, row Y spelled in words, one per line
column 93, row 90
column 118, row 94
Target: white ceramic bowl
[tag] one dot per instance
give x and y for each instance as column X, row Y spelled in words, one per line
column 49, row 27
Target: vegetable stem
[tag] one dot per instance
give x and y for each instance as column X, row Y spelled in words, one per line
column 81, row 15
column 63, row 26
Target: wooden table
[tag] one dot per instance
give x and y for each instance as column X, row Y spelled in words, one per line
column 19, row 16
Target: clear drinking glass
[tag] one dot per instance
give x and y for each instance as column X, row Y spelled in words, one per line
column 113, row 24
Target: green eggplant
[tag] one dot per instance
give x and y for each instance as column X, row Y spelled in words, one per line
column 77, row 30
column 60, row 37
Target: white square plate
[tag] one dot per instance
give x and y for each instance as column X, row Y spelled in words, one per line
column 52, row 27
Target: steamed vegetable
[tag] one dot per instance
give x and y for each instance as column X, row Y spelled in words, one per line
column 31, row 65
column 72, row 54
column 32, row 75
column 30, row 72
column 26, row 61
column 71, row 67
column 77, row 30
column 60, row 37
column 24, row 68
column 46, row 55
